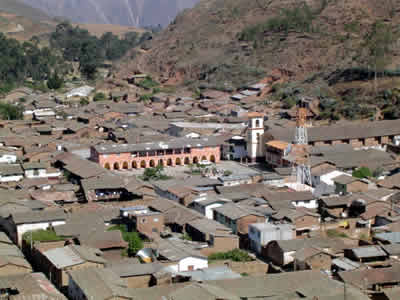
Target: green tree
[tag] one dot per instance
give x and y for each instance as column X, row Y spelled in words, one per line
column 154, row 173
column 135, row 244
column 11, row 112
column 362, row 172
column 55, row 82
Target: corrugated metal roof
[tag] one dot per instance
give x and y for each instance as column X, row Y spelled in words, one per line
column 63, row 257
column 392, row 237
column 368, row 251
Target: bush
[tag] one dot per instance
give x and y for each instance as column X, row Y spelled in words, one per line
column 99, row 97
column 145, row 97
column 84, row 102
column 148, row 83
column 234, row 255
column 362, row 172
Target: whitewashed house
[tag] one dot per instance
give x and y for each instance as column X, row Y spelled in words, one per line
column 206, row 203
column 11, row 172
column 183, row 255
column 19, row 223
column 260, row 234
column 39, row 170
column 8, row 157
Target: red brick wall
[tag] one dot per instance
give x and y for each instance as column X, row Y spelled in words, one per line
column 244, row 222
column 146, row 224
column 125, row 160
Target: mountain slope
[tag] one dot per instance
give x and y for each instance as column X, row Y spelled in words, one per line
column 137, row 13
column 232, row 42
column 20, row 9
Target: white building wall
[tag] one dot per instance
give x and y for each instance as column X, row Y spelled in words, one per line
column 210, row 210
column 21, row 229
column 11, row 178
column 307, row 204
column 8, row 159
column 255, row 137
column 288, row 257
column 42, row 173
column 196, row 262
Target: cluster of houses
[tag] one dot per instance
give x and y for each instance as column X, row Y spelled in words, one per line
column 224, row 222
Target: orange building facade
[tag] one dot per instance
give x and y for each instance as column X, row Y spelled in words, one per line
column 117, row 157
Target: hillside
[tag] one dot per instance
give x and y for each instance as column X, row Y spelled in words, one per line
column 138, row 13
column 232, row 42
column 17, row 7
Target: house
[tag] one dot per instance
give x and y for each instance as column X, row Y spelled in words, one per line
column 295, row 198
column 311, row 258
column 282, row 253
column 232, row 180
column 393, row 250
column 82, row 91
column 388, row 237
column 7, row 157
column 275, row 151
column 341, row 264
column 97, row 283
column 135, row 274
column 20, row 223
column 12, row 261
column 39, row 170
column 260, row 234
column 205, row 230
column 366, row 254
column 28, row 286
column 93, row 235
column 237, row 217
column 304, row 220
column 372, row 279
column 335, row 207
column 181, row 256
column 310, row 284
column 110, row 187
column 176, row 216
column 348, row 184
column 143, row 220
column 57, row 262
column 11, row 172
column 212, row 273
column 206, row 203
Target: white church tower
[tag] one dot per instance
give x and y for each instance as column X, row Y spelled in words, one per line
column 255, row 133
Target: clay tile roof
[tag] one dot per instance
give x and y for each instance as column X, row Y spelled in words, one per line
column 255, row 115
column 278, row 144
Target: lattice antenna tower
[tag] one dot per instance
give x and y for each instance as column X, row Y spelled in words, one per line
column 301, row 165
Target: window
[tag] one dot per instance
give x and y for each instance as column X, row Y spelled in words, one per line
column 155, row 219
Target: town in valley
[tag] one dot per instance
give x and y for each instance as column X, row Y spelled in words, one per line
column 118, row 182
